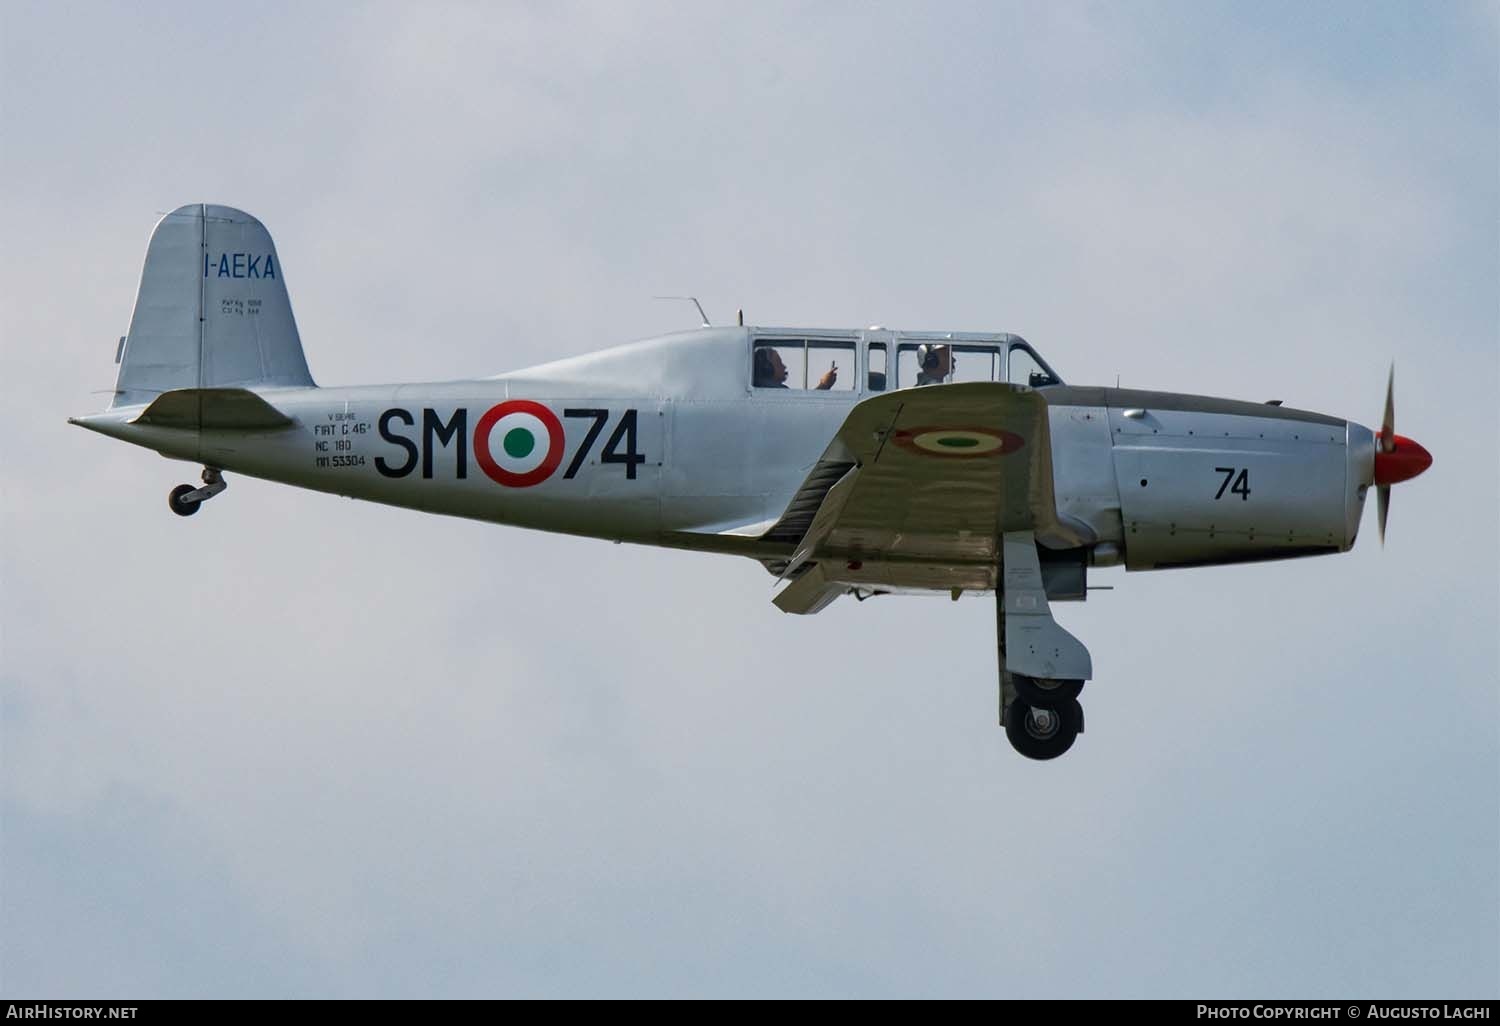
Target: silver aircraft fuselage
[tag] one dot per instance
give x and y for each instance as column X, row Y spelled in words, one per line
column 666, row 442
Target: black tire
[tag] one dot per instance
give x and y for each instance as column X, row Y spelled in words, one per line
column 1033, row 742
column 1041, row 691
column 175, row 503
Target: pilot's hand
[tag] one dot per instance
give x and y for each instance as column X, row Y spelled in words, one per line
column 829, row 377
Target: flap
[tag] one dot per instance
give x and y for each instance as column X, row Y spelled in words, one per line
column 808, row 594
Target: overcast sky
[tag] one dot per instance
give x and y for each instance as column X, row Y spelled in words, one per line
column 299, row 745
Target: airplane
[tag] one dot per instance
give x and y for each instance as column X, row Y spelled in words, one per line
column 857, row 462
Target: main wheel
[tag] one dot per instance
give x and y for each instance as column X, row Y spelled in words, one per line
column 175, row 503
column 1043, row 732
column 1044, row 690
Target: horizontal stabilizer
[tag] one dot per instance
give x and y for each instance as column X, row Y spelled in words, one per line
column 213, row 409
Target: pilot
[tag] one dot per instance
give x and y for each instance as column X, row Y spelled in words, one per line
column 771, row 372
column 936, row 362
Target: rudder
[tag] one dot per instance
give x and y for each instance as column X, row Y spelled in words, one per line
column 212, row 310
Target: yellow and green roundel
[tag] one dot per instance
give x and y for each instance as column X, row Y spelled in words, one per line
column 959, row 442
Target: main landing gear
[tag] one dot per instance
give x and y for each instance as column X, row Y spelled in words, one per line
column 1042, row 667
column 185, row 499
column 1042, row 730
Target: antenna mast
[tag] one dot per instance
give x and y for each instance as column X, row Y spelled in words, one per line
column 690, row 299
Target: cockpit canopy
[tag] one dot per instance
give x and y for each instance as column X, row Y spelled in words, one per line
column 733, row 360
column 878, row 360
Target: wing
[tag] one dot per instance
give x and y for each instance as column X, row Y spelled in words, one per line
column 916, row 490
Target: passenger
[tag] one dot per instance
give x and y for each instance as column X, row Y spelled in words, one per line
column 936, row 362
column 771, row 372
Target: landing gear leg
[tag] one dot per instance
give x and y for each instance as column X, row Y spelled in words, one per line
column 185, row 499
column 1042, row 666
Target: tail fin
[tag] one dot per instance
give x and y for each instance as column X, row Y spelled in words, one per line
column 212, row 310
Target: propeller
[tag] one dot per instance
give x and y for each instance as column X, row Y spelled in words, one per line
column 1387, row 445
column 1397, row 459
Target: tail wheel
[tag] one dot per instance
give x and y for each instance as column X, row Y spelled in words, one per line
column 182, row 509
column 1043, row 732
column 1046, row 691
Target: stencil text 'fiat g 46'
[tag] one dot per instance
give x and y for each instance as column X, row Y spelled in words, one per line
column 858, row 462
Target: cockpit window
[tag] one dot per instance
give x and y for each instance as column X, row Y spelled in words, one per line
column 777, row 366
column 819, row 365
column 933, row 363
column 1025, row 368
column 875, row 361
column 830, row 366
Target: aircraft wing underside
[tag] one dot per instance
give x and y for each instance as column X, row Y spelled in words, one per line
column 915, row 491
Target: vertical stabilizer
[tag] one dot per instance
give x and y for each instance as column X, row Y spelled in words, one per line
column 212, row 310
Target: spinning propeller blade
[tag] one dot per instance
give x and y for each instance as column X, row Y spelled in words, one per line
column 1388, row 422
column 1398, row 459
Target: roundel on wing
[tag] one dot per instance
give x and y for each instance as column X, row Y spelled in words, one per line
column 518, row 443
column 958, row 442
